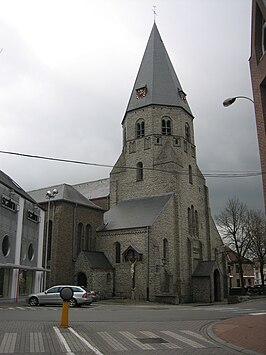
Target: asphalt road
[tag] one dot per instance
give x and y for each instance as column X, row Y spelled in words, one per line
column 108, row 328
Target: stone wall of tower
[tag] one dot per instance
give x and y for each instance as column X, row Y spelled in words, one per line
column 169, row 155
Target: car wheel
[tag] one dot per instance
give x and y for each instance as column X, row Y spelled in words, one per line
column 33, row 301
column 72, row 303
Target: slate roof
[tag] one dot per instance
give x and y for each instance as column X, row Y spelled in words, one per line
column 135, row 213
column 97, row 260
column 157, row 73
column 66, row 193
column 232, row 256
column 94, row 189
column 11, row 184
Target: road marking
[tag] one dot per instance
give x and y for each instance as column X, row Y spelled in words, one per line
column 134, row 340
column 95, row 350
column 257, row 314
column 63, row 341
column 8, row 343
column 112, row 341
column 168, row 345
column 192, row 343
column 196, row 335
column 36, row 343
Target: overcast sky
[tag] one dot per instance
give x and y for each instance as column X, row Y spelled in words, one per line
column 67, row 69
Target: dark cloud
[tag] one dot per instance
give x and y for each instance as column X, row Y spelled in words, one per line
column 66, row 78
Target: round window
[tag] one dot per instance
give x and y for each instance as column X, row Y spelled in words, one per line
column 6, row 245
column 30, row 252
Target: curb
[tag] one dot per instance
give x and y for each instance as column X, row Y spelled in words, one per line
column 213, row 336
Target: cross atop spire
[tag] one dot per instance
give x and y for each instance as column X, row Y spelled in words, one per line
column 154, row 13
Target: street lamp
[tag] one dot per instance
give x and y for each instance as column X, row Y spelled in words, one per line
column 231, row 100
column 49, row 196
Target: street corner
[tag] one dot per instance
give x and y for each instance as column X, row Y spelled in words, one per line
column 246, row 332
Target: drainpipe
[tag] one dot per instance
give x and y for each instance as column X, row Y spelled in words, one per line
column 74, row 258
column 148, row 264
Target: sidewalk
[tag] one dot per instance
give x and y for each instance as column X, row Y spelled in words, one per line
column 244, row 332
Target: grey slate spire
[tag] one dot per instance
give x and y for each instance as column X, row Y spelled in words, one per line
column 157, row 78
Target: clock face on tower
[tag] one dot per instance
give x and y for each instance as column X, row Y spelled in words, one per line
column 141, row 92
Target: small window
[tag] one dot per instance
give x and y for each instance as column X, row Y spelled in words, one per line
column 140, row 129
column 176, row 142
column 166, row 127
column 80, row 237
column 6, row 245
column 30, row 252
column 139, row 176
column 189, row 221
column 87, row 242
column 157, row 140
column 187, row 133
column 117, row 252
column 165, row 250
column 190, row 174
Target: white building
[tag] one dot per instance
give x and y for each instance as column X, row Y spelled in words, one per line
column 21, row 241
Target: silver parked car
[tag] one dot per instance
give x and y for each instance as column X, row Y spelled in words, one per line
column 52, row 296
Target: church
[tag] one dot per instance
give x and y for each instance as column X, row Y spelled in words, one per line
column 156, row 240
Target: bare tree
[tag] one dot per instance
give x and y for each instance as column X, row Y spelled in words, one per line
column 257, row 234
column 232, row 222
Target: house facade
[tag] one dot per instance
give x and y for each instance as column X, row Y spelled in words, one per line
column 233, row 270
column 21, row 241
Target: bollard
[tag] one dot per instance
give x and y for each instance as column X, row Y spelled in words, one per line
column 64, row 315
column 66, row 294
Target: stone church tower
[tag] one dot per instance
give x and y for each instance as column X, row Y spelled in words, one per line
column 159, row 235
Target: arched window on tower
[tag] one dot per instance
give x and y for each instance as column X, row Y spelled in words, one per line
column 190, row 174
column 117, row 252
column 187, row 133
column 193, row 219
column 140, row 129
column 197, row 223
column 139, row 175
column 189, row 221
column 166, row 126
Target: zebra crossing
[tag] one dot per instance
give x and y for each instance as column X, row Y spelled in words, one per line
column 29, row 308
column 72, row 341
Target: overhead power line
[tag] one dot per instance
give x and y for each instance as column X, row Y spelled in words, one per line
column 211, row 173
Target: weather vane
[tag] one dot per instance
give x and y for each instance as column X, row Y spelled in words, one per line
column 154, row 13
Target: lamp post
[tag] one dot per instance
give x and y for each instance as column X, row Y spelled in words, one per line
column 231, row 100
column 49, row 196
